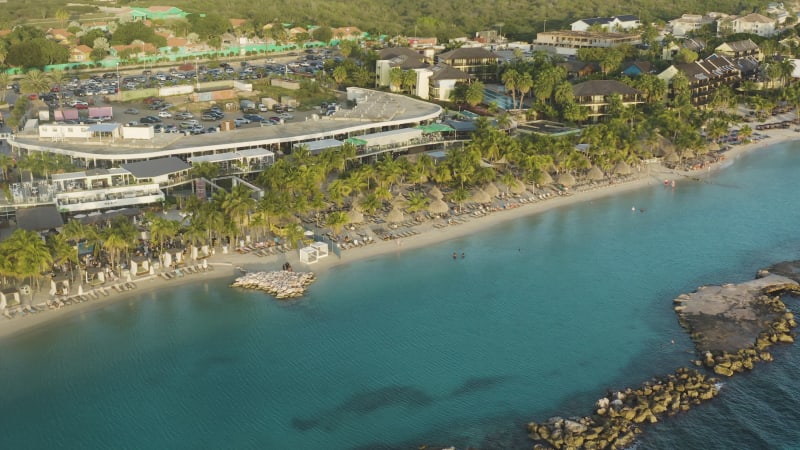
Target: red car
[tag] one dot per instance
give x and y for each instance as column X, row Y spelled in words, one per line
column 81, row 105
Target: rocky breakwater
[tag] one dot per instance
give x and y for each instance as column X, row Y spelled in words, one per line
column 618, row 415
column 280, row 283
column 733, row 325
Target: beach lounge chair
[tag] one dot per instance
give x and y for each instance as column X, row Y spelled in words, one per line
column 130, row 285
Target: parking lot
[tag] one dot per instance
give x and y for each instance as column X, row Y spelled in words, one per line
column 179, row 115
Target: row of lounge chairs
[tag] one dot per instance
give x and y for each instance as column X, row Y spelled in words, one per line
column 263, row 250
column 357, row 243
column 399, row 234
column 58, row 303
column 188, row 270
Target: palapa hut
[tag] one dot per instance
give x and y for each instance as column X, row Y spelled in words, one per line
column 492, row 190
column 622, row 168
column 399, row 202
column 688, row 153
column 438, row 206
column 480, row 196
column 672, row 157
column 546, row 178
column 516, row 187
column 395, row 215
column 436, row 193
column 566, row 179
column 595, row 174
column 355, row 216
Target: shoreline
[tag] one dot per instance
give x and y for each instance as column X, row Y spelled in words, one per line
column 225, row 265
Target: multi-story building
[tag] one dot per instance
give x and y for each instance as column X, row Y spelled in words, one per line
column 595, row 94
column 704, row 76
column 478, row 62
column 615, row 23
column 568, row 42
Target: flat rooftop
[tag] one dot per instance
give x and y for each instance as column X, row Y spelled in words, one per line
column 377, row 109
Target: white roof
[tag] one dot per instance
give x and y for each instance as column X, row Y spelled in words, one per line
column 251, row 152
column 401, row 135
column 320, row 145
column 84, row 175
column 231, row 156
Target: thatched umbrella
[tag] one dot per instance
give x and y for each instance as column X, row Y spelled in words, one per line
column 355, row 216
column 595, row 174
column 688, row 153
column 516, row 187
column 566, row 179
column 399, row 202
column 622, row 168
column 480, row 196
column 395, row 215
column 672, row 157
column 438, row 206
column 492, row 190
column 436, row 193
column 546, row 178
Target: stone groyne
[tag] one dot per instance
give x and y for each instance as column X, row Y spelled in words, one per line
column 731, row 327
column 280, row 284
column 618, row 415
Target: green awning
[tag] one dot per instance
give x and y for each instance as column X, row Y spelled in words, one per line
column 435, row 128
column 356, row 141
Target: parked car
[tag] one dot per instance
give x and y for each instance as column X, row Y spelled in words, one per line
column 254, row 117
column 149, row 119
column 183, row 115
column 189, row 124
column 170, row 129
column 239, row 121
column 275, row 119
column 285, row 116
column 164, row 114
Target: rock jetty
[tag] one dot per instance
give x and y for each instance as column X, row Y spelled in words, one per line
column 280, row 283
column 618, row 415
column 733, row 325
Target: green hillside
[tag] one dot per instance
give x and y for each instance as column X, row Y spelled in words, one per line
column 443, row 18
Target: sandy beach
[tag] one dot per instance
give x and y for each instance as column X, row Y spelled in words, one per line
column 227, row 265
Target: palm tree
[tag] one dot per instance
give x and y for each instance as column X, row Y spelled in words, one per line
column 35, row 82
column 28, row 254
column 459, row 196
column 336, row 220
column 338, row 191
column 417, row 201
column 395, row 78
column 524, row 85
column 510, row 79
column 61, row 250
column 6, row 162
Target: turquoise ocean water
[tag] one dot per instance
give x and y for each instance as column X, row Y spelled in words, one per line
column 541, row 317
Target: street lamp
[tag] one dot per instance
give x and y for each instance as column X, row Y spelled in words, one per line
column 196, row 74
column 117, row 73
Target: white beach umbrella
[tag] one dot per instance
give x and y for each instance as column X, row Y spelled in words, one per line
column 194, row 252
column 152, row 270
column 80, row 289
column 134, row 267
column 205, row 263
column 52, row 287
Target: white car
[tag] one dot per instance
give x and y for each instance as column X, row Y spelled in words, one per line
column 164, row 114
column 285, row 116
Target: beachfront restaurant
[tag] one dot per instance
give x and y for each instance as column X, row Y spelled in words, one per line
column 386, row 141
column 240, row 161
column 319, row 146
column 163, row 171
